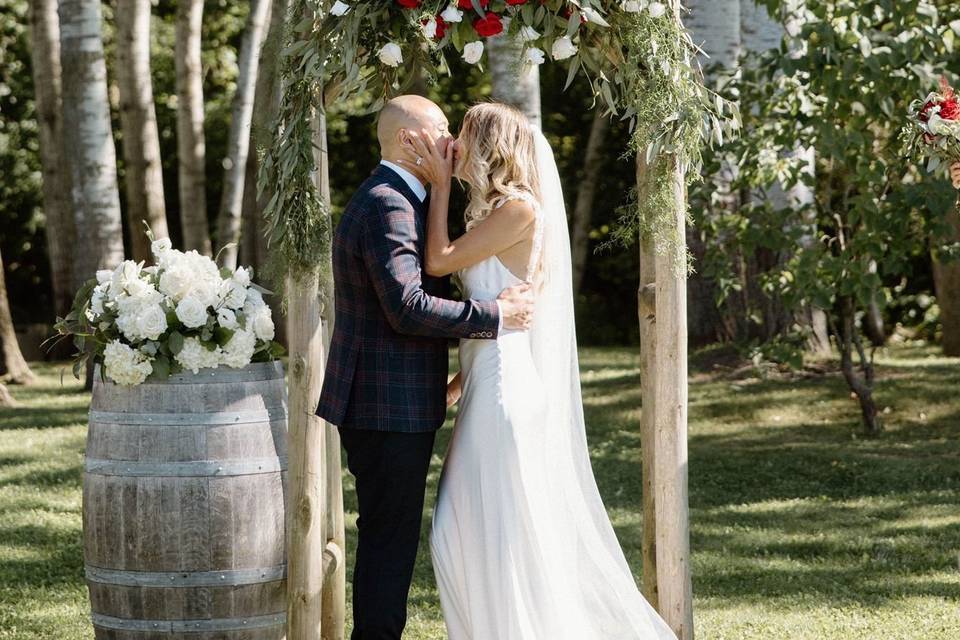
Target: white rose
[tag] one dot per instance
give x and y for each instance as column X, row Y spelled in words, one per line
column 104, row 276
column 534, row 56
column 262, row 324
column 151, row 322
column 127, row 272
column 234, row 294
column 238, row 351
column 563, row 48
column 97, row 298
column 192, row 312
column 241, row 276
column 175, row 282
column 528, row 34
column 632, row 6
column 430, row 29
column 254, row 299
column 227, row 318
column 160, row 247
column 391, row 54
column 472, row 52
column 657, row 9
column 452, row 14
column 339, row 9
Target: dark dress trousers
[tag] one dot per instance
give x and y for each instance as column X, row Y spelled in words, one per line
column 385, row 384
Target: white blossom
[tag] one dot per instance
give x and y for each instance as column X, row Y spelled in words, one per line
column 339, row 9
column 430, row 28
column 472, row 52
column 452, row 14
column 238, row 351
column 227, row 318
column 262, row 324
column 528, row 34
column 192, row 312
column 563, row 48
column 657, row 9
column 391, row 54
column 160, row 247
column 195, row 356
column 104, row 276
column 124, row 365
column 632, row 6
column 534, row 55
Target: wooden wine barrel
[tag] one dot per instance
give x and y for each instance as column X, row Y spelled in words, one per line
column 183, row 506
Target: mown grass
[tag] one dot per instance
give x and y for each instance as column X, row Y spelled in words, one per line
column 801, row 527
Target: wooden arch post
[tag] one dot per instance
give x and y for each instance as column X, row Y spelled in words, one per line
column 662, row 312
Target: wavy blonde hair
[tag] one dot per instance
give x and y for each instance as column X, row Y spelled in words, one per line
column 497, row 158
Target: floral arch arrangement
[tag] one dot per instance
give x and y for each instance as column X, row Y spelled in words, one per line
column 639, row 60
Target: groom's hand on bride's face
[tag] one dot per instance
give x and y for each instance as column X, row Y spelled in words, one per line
column 516, row 306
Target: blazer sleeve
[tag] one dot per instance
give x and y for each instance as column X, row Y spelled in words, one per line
column 393, row 263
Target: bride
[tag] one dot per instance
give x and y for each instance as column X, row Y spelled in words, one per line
column 522, row 546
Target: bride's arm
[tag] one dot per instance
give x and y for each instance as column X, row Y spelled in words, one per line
column 502, row 229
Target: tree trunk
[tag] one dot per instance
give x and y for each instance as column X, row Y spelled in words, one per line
column 45, row 46
column 88, row 141
column 6, row 400
column 946, row 278
column 228, row 220
column 861, row 385
column 191, row 144
column 15, row 368
column 514, row 83
column 583, row 210
column 647, row 307
column 138, row 119
column 253, row 243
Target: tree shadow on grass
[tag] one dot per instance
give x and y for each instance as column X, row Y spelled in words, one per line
column 55, row 556
column 41, row 418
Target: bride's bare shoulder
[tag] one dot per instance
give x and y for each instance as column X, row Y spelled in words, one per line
column 516, row 210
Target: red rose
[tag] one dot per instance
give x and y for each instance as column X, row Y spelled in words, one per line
column 489, row 26
column 950, row 109
column 515, row 2
column 409, row 4
column 468, row 4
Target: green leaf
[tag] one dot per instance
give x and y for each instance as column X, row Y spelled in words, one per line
column 175, row 342
column 161, row 366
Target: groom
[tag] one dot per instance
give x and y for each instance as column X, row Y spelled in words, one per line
column 386, row 378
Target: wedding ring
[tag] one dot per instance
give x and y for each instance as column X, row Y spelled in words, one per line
column 419, row 161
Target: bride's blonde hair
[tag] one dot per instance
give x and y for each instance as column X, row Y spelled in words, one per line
column 497, row 158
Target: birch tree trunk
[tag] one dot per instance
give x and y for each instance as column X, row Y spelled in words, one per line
column 228, row 220
column 191, row 143
column 16, row 370
column 514, row 83
column 88, row 141
column 138, row 119
column 253, row 243
column 586, row 192
column 45, row 47
column 946, row 278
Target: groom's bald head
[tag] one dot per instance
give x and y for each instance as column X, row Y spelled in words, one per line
column 408, row 113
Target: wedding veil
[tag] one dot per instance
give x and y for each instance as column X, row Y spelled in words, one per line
column 604, row 582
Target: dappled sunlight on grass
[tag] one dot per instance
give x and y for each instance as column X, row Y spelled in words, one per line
column 802, row 528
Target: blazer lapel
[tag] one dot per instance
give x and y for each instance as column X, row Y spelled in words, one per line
column 393, row 179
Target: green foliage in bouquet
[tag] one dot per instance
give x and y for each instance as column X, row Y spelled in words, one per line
column 183, row 313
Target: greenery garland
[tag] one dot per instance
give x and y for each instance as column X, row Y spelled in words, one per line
column 637, row 56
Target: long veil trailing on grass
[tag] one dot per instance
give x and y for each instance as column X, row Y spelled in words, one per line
column 598, row 574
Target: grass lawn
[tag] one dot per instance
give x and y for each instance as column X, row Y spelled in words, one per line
column 801, row 527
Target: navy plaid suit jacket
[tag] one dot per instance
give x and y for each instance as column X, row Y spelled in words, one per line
column 387, row 368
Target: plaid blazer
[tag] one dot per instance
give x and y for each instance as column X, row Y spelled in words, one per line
column 387, row 368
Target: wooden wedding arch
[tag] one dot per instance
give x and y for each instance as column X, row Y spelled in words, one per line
column 638, row 59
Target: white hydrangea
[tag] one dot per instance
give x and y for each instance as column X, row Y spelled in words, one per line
column 124, row 365
column 238, row 351
column 262, row 324
column 195, row 356
column 141, row 314
column 189, row 273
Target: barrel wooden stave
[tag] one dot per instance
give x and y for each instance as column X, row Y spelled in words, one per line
column 229, row 523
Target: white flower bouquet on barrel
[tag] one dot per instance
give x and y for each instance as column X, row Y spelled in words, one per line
column 182, row 313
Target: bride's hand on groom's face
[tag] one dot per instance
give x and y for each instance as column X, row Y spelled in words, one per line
column 434, row 159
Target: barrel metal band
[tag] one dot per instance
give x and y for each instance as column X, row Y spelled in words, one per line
column 227, row 578
column 186, row 626
column 271, row 414
column 198, row 468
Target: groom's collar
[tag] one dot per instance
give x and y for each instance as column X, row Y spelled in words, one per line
column 408, row 178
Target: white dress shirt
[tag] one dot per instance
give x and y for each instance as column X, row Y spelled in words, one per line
column 421, row 192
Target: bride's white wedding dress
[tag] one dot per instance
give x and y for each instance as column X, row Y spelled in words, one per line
column 522, row 546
